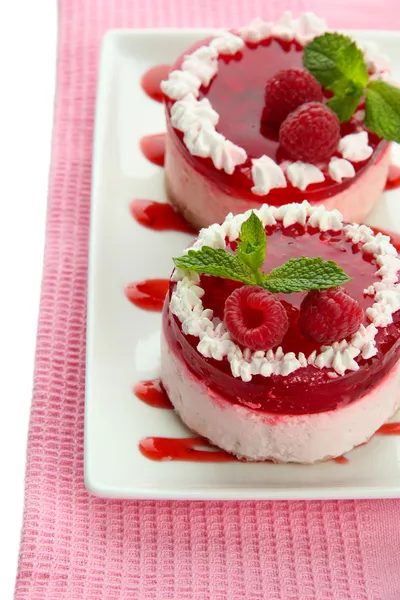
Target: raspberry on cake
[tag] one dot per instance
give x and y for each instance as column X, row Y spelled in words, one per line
column 311, row 133
column 287, row 90
column 255, row 318
column 287, row 351
column 329, row 315
column 253, row 117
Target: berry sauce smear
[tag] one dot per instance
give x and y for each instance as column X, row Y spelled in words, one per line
column 151, row 392
column 151, row 81
column 195, row 449
column 148, row 294
column 153, row 148
column 159, row 216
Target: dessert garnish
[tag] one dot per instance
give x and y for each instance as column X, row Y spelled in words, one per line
column 255, row 318
column 287, row 90
column 329, row 315
column 339, row 66
column 296, row 275
column 311, row 133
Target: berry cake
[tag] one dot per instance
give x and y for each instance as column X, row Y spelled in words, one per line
column 294, row 362
column 248, row 124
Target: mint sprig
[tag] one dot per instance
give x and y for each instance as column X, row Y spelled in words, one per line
column 296, row 275
column 339, row 65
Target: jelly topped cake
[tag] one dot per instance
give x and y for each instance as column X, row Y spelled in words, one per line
column 281, row 334
column 262, row 113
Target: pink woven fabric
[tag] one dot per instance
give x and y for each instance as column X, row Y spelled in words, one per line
column 77, row 547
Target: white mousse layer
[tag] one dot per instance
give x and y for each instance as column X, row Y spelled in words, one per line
column 256, row 435
column 203, row 202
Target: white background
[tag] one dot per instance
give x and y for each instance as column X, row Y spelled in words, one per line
column 28, row 34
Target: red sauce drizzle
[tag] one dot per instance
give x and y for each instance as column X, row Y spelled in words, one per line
column 186, row 449
column 151, row 392
column 151, row 81
column 389, row 429
column 392, row 184
column 395, row 237
column 159, row 216
column 148, row 294
column 341, row 460
column 153, row 148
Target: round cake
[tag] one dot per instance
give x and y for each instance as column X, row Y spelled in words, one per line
column 227, row 99
column 268, row 372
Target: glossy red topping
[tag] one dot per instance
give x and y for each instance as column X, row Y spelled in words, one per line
column 237, row 93
column 287, row 90
column 329, row 315
column 311, row 133
column 215, row 296
column 255, row 318
column 308, row 389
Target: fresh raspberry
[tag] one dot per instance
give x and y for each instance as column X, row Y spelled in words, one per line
column 255, row 318
column 329, row 316
column 287, row 90
column 216, row 291
column 311, row 133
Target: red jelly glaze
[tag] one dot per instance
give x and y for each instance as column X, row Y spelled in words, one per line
column 151, row 392
column 237, row 94
column 151, row 81
column 153, row 148
column 389, row 429
column 148, row 294
column 185, row 449
column 309, row 389
column 158, row 216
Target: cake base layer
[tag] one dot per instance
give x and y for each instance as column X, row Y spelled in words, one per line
column 202, row 202
column 259, row 436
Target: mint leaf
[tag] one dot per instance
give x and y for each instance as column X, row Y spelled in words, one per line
column 252, row 256
column 345, row 106
column 339, row 66
column 253, row 231
column 321, row 55
column 336, row 62
column 382, row 110
column 305, row 274
column 217, row 262
column 253, row 244
column 351, row 64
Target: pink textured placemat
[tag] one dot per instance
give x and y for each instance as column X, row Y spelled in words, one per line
column 77, row 547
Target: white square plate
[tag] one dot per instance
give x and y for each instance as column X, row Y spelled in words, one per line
column 123, row 341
